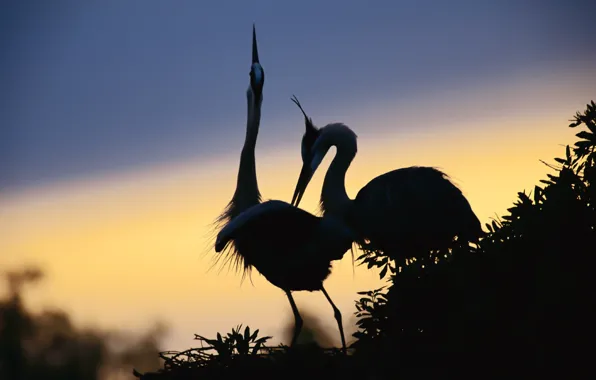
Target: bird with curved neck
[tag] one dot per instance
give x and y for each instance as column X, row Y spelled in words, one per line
column 403, row 213
column 290, row 247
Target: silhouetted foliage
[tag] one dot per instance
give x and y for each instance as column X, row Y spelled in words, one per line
column 48, row 346
column 517, row 305
column 243, row 353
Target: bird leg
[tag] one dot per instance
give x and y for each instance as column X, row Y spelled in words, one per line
column 297, row 318
column 337, row 315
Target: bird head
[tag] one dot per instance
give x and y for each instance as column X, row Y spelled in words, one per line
column 311, row 134
column 257, row 74
column 316, row 142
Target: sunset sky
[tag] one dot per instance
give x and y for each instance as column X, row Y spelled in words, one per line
column 121, row 125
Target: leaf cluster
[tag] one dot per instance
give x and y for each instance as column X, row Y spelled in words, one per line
column 244, row 354
column 235, row 343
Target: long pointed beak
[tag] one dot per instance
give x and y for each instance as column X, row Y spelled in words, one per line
column 255, row 50
column 303, row 180
column 257, row 74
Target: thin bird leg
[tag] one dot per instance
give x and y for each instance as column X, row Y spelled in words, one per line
column 337, row 315
column 297, row 317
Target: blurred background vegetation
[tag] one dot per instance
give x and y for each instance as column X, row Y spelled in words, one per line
column 47, row 345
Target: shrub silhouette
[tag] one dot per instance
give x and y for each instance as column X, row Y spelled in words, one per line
column 516, row 305
column 507, row 306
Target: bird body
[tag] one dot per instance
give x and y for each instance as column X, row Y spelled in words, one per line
column 400, row 212
column 293, row 249
column 413, row 209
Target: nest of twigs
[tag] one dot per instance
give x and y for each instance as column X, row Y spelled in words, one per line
column 245, row 354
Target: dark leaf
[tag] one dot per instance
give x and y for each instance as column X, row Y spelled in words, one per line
column 383, row 272
column 255, row 349
column 263, row 339
column 582, row 144
column 246, row 333
column 537, row 194
column 585, row 135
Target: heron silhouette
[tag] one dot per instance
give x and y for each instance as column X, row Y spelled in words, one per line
column 403, row 212
column 290, row 247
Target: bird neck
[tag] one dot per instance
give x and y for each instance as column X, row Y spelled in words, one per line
column 253, row 122
column 334, row 198
column 247, row 189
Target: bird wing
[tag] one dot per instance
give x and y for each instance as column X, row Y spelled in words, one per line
column 397, row 191
column 282, row 216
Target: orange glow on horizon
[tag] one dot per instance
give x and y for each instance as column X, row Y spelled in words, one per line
column 126, row 248
column 135, row 244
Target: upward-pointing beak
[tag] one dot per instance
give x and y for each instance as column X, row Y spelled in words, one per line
column 255, row 50
column 303, row 180
column 257, row 74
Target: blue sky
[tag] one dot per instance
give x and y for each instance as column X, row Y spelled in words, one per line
column 92, row 86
